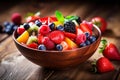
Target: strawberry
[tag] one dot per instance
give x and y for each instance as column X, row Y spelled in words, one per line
column 20, row 30
column 33, row 45
column 57, row 36
column 40, row 38
column 85, row 28
column 16, row 18
column 70, row 35
column 52, row 19
column 100, row 22
column 48, row 43
column 44, row 30
column 88, row 23
column 80, row 38
column 104, row 65
column 110, row 51
column 78, row 31
column 32, row 18
column 44, row 20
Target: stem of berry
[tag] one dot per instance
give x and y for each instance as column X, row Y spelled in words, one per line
column 104, row 44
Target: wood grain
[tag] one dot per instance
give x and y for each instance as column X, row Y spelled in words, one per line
column 14, row 66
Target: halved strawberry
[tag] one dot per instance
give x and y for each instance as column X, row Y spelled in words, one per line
column 33, row 45
column 78, row 31
column 57, row 36
column 85, row 28
column 53, row 19
column 44, row 20
column 70, row 35
column 40, row 38
column 32, row 18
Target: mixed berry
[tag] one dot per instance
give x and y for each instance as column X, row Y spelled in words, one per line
column 56, row 33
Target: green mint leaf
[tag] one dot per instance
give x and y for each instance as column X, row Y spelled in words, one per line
column 70, row 18
column 59, row 16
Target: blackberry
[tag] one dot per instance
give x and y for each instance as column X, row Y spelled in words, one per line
column 69, row 27
column 78, row 20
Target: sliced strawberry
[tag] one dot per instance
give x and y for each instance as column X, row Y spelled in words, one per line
column 44, row 20
column 40, row 38
column 85, row 28
column 78, row 31
column 90, row 24
column 57, row 36
column 53, row 19
column 33, row 45
column 104, row 65
column 32, row 18
column 70, row 35
column 20, row 30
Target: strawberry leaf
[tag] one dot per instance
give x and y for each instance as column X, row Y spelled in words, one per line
column 59, row 16
column 104, row 44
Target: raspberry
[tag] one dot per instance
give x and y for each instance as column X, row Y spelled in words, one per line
column 16, row 18
column 44, row 30
column 80, row 38
column 48, row 43
column 69, row 27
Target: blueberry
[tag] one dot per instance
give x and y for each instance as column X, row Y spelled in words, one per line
column 42, row 47
column 92, row 39
column 15, row 27
column 26, row 26
column 79, row 20
column 6, row 23
column 87, row 35
column 38, row 23
column 59, row 47
column 61, row 28
column 82, row 44
column 52, row 26
column 8, row 31
column 87, row 42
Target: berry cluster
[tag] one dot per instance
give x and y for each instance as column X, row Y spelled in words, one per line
column 56, row 33
column 9, row 27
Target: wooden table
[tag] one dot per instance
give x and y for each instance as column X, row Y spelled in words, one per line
column 13, row 66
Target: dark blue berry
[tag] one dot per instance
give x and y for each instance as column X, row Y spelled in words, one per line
column 52, row 26
column 38, row 23
column 87, row 42
column 26, row 26
column 70, row 27
column 92, row 39
column 6, row 23
column 82, row 44
column 61, row 28
column 59, row 47
column 79, row 20
column 42, row 47
column 87, row 35
column 8, row 31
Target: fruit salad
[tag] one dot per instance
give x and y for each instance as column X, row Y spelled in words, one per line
column 56, row 33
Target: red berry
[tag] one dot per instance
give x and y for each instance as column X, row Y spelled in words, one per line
column 20, row 30
column 33, row 45
column 104, row 65
column 70, row 35
column 80, row 38
column 16, row 18
column 44, row 30
column 40, row 38
column 48, row 43
column 57, row 36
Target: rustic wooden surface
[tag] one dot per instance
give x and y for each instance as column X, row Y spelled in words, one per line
column 13, row 66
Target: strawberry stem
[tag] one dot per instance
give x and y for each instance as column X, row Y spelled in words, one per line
column 104, row 44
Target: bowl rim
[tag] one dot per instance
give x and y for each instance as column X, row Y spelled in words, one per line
column 99, row 33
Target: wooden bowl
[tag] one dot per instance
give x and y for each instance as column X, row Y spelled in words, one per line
column 60, row 59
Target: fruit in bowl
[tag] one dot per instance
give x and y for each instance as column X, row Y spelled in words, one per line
column 57, row 42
